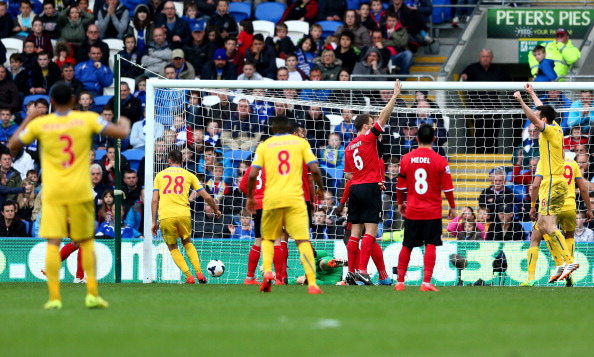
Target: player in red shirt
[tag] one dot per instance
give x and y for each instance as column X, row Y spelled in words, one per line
column 424, row 174
column 254, row 255
column 364, row 167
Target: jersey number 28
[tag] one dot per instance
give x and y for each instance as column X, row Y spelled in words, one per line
column 178, row 185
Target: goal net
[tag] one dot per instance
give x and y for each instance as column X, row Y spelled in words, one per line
column 479, row 127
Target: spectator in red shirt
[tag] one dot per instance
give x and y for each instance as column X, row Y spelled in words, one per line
column 576, row 138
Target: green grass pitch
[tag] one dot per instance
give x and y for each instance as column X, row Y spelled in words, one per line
column 236, row 320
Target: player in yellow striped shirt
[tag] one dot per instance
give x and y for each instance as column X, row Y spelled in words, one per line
column 566, row 219
column 282, row 157
column 171, row 192
column 68, row 210
column 553, row 188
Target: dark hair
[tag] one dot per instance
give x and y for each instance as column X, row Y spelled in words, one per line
column 548, row 112
column 249, row 63
column 42, row 101
column 129, row 171
column 357, row 17
column 231, row 38
column 361, row 120
column 247, row 26
column 281, row 124
column 62, row 94
column 539, row 48
column 175, row 156
column 95, row 45
column 17, row 57
column 258, row 37
column 10, row 203
column 129, row 36
column 349, row 34
column 296, row 126
column 49, row 2
column 28, row 2
column 32, row 171
column 139, row 25
column 43, row 53
column 305, row 38
column 169, row 66
column 426, row 134
column 392, row 15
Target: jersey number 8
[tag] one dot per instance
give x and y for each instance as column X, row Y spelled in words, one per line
column 421, row 184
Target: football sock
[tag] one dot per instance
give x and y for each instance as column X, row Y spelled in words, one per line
column 377, row 255
column 570, row 246
column 179, row 260
column 403, row 260
column 307, row 260
column 193, row 256
column 80, row 273
column 253, row 258
column 285, row 247
column 67, row 250
column 429, row 262
column 52, row 271
column 279, row 256
column 353, row 253
column 88, row 261
column 267, row 251
column 532, row 259
column 559, row 240
column 553, row 249
column 367, row 243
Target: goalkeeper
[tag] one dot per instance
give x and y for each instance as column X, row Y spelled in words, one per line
column 328, row 269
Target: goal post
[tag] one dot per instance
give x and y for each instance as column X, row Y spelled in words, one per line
column 454, row 102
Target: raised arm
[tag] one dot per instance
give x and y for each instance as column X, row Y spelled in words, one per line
column 121, row 130
column 317, row 176
column 387, row 111
column 583, row 187
column 210, row 201
column 534, row 119
column 15, row 144
column 533, row 95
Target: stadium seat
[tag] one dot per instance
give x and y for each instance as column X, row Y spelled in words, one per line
column 270, row 11
column 109, row 90
column 131, row 83
column 101, row 100
column 335, row 119
column 280, row 62
column 240, row 11
column 329, row 27
column 211, row 100
column 441, row 14
column 99, row 154
column 179, row 8
column 134, row 157
column 527, row 226
column 115, row 45
column 266, row 28
column 297, row 29
column 33, row 97
column 13, row 45
column 237, row 155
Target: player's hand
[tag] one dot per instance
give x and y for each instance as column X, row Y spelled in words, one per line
column 339, row 209
column 251, row 205
column 382, row 186
column 590, row 216
column 155, row 228
column 534, row 216
column 231, row 228
column 451, row 213
column 218, row 213
column 529, row 88
column 397, row 87
column 518, row 96
column 402, row 209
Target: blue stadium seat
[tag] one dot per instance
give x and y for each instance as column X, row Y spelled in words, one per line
column 99, row 154
column 329, row 27
column 237, row 155
column 527, row 226
column 101, row 100
column 33, row 97
column 270, row 11
column 240, row 11
column 134, row 157
column 441, row 14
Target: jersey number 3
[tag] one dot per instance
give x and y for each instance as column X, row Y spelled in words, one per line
column 68, row 150
column 178, row 186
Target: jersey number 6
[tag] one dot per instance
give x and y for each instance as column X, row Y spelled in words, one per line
column 358, row 160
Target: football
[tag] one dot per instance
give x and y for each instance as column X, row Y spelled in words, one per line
column 215, row 268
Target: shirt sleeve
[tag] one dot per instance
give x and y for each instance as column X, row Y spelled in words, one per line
column 196, row 183
column 99, row 124
column 446, row 178
column 538, row 169
column 402, row 184
column 308, row 156
column 259, row 159
column 576, row 170
column 28, row 135
column 156, row 184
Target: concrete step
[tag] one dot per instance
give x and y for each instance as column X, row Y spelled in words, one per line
column 470, row 176
column 491, row 158
column 423, row 68
column 470, row 166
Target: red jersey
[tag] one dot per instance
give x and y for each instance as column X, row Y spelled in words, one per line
column 258, row 190
column 424, row 173
column 362, row 159
column 306, row 190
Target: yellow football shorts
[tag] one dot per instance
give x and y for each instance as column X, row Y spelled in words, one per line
column 74, row 220
column 294, row 219
column 175, row 227
column 567, row 221
column 552, row 198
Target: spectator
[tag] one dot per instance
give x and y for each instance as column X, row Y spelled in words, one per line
column 6, row 191
column 64, row 54
column 367, row 20
column 141, row 27
column 8, row 126
column 216, row 185
column 222, row 110
column 529, row 146
column 496, row 195
column 44, row 74
column 242, row 131
column 208, row 225
column 9, row 93
column 199, row 51
column 315, row 94
column 133, row 58
column 43, row 41
column 98, row 186
column 177, row 30
column 245, row 230
column 49, row 17
column 100, row 141
column 223, row 21
column 332, row 154
column 249, row 73
column 246, row 36
column 172, row 103
column 29, row 54
column 302, row 10
column 583, row 117
column 281, row 43
column 10, row 224
column 331, row 10
column 406, row 140
column 213, row 36
column 263, row 56
column 13, row 177
column 463, row 14
column 131, row 189
column 6, row 21
column 140, row 92
column 413, row 21
column 376, row 11
column 370, row 65
column 352, row 22
column 85, row 102
column 93, row 74
column 526, row 177
column 315, row 32
column 582, row 233
column 294, row 73
column 457, row 226
column 261, row 108
column 24, row 21
column 26, row 201
column 483, row 216
column 107, row 164
column 558, row 100
column 576, row 138
column 73, row 22
column 545, row 71
column 113, row 19
column 486, row 127
column 345, row 52
column 319, row 228
column 107, row 228
column 431, row 117
column 130, row 107
column 158, row 53
column 305, row 54
column 470, row 231
column 138, row 136
column 219, row 68
column 191, row 14
column 506, row 228
column 561, row 50
column 82, row 54
column 183, row 69
column 23, row 163
column 397, row 44
column 212, row 135
column 346, row 129
column 234, row 56
column 18, row 73
column 155, row 7
column 317, row 126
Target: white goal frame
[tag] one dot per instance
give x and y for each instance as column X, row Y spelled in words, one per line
column 439, row 87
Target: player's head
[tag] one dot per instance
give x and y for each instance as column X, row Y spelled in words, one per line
column 425, row 134
column 281, row 125
column 547, row 113
column 174, row 157
column 62, row 95
column 298, row 130
column 363, row 122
